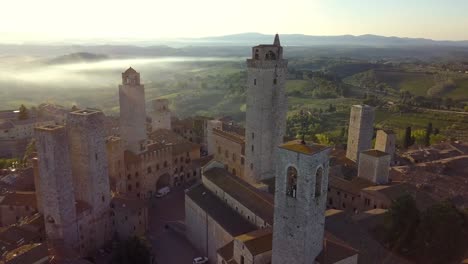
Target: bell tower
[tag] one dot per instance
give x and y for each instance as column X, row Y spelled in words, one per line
column 265, row 122
column 132, row 111
column 300, row 201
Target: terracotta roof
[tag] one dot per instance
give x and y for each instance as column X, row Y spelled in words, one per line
column 258, row 241
column 334, row 250
column 229, row 135
column 227, row 251
column 260, row 203
column 375, row 153
column 170, row 138
column 19, row 199
column 353, row 186
column 130, row 70
column 31, row 253
column 394, row 191
column 307, row 148
column 358, row 236
column 224, row 215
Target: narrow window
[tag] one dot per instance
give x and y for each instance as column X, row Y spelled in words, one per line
column 291, row 189
column 274, row 81
column 318, row 182
column 255, row 81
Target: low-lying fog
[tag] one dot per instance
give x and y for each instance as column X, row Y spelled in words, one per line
column 33, row 80
column 30, row 72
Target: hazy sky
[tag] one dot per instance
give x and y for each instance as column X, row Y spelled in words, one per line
column 52, row 20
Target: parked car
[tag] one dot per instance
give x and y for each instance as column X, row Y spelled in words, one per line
column 163, row 192
column 200, row 260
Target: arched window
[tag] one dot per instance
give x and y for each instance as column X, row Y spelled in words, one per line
column 270, row 55
column 291, row 189
column 255, row 81
column 318, row 182
column 274, row 81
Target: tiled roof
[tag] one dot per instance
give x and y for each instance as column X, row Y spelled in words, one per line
column 260, row 203
column 394, row 191
column 19, row 199
column 258, row 241
column 306, row 148
column 334, row 250
column 353, row 186
column 227, row 251
column 225, row 216
column 375, row 153
column 31, row 253
column 355, row 234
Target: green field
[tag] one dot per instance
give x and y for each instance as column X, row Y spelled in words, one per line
column 415, row 82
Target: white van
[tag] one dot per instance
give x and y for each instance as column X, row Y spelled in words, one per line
column 163, row 191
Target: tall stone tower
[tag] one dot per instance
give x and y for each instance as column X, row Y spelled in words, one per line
column 360, row 131
column 266, row 109
column 57, row 194
column 132, row 111
column 87, row 141
column 385, row 141
column 160, row 114
column 300, row 202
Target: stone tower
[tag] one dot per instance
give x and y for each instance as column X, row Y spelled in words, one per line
column 57, row 194
column 160, row 114
column 385, row 141
column 265, row 122
column 300, row 202
column 360, row 131
column 132, row 111
column 88, row 155
column 374, row 165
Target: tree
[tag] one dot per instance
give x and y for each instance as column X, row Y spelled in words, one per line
column 23, row 113
column 427, row 136
column 440, row 234
column 407, row 140
column 323, row 139
column 74, row 108
column 133, row 250
column 401, row 221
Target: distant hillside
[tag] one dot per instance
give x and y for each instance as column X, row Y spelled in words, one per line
column 343, row 40
column 78, row 57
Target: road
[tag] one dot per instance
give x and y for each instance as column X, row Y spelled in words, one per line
column 169, row 246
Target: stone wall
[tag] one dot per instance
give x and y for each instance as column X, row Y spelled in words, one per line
column 299, row 221
column 57, row 190
column 266, row 108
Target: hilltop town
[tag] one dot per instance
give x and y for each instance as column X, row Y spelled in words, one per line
column 148, row 186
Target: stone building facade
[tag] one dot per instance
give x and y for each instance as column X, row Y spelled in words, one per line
column 16, row 206
column 385, row 141
column 360, row 131
column 132, row 111
column 300, row 201
column 265, row 121
column 88, row 155
column 160, row 114
column 374, row 166
column 230, row 150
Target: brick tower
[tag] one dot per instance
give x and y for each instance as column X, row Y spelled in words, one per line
column 132, row 111
column 300, row 202
column 266, row 109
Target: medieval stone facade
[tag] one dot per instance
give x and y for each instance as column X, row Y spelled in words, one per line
column 132, row 111
column 300, row 201
column 265, row 121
